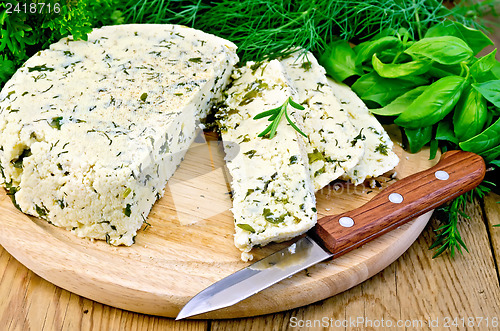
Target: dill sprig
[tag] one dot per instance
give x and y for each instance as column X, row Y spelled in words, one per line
column 275, row 116
column 448, row 237
column 273, row 28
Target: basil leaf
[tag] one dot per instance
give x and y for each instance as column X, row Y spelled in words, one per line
column 444, row 50
column 470, row 114
column 365, row 50
column 491, row 154
column 496, row 70
column 339, row 61
column 372, row 87
column 445, row 132
column 482, row 69
column 402, row 69
column 494, row 111
column 388, row 32
column 442, row 70
column 433, row 104
column 482, row 142
column 399, row 105
column 476, row 39
column 418, row 138
column 434, row 145
column 490, row 90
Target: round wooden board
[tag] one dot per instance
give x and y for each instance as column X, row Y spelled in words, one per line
column 188, row 244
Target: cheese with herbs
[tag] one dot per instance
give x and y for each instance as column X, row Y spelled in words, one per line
column 334, row 145
column 90, row 131
column 273, row 196
column 378, row 157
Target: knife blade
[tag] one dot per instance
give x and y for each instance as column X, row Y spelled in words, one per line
column 456, row 173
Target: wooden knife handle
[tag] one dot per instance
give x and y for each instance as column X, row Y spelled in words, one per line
column 456, row 173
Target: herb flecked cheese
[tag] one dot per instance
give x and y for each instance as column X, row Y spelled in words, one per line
column 334, row 145
column 379, row 156
column 90, row 131
column 273, row 196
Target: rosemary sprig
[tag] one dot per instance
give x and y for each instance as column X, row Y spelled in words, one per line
column 448, row 237
column 275, row 116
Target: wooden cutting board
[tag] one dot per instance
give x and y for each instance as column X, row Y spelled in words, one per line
column 188, row 244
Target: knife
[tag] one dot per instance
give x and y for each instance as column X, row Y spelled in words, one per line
column 456, row 173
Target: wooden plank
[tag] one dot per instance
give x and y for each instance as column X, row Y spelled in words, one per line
column 27, row 302
column 463, row 286
column 492, row 215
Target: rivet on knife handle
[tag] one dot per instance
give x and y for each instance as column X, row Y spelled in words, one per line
column 456, row 173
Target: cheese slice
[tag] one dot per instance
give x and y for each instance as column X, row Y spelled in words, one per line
column 90, row 131
column 334, row 145
column 273, row 196
column 379, row 156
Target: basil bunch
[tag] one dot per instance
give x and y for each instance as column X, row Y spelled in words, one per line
column 435, row 89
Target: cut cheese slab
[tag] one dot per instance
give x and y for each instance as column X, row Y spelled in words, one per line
column 378, row 157
column 273, row 197
column 90, row 131
column 334, row 144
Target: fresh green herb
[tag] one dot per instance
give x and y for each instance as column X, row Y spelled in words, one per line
column 343, row 64
column 476, row 40
column 448, row 237
column 470, row 114
column 430, row 107
column 490, row 90
column 444, row 49
column 144, row 97
column 273, row 28
column 484, row 141
column 396, row 70
column 399, row 105
column 25, row 33
column 275, row 116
